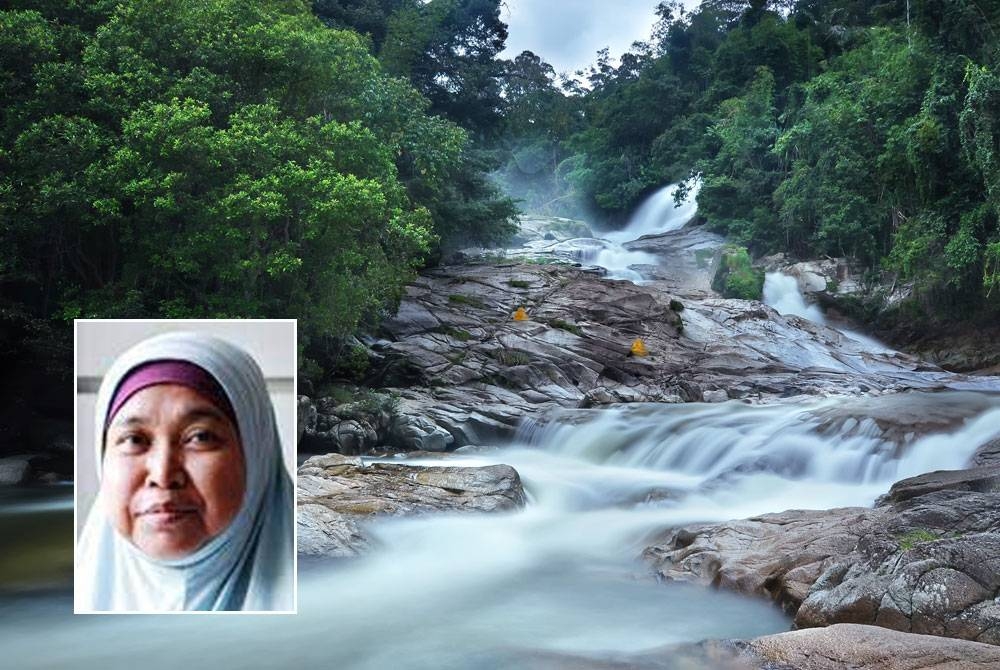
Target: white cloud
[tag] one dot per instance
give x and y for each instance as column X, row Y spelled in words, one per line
column 568, row 33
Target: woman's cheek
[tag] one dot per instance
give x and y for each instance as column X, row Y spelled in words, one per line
column 121, row 479
column 221, row 477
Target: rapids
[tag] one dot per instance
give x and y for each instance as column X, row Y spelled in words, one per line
column 782, row 293
column 561, row 576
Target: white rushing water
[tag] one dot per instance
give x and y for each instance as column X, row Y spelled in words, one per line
column 560, row 577
column 658, row 214
column 782, row 293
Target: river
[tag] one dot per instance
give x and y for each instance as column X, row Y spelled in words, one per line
column 557, row 584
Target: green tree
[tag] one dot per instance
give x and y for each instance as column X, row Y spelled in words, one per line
column 183, row 158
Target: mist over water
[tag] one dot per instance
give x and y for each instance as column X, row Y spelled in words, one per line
column 561, row 576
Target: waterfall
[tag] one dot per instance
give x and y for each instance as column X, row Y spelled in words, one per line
column 494, row 591
column 782, row 293
column 656, row 215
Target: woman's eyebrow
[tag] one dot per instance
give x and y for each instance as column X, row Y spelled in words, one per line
column 131, row 421
column 204, row 413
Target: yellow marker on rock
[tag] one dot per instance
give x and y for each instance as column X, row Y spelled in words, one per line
column 638, row 348
column 520, row 314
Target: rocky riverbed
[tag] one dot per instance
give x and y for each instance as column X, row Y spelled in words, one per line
column 469, row 373
column 543, row 493
column 911, row 582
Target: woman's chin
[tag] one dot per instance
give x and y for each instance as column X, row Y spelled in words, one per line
column 171, row 537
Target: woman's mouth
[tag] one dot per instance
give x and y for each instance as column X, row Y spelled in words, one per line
column 163, row 517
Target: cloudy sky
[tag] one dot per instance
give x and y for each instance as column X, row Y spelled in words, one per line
column 568, row 33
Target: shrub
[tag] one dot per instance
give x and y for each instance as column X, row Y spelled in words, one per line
column 567, row 326
column 915, row 537
column 736, row 276
column 471, row 301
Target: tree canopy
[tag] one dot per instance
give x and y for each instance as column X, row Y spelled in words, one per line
column 858, row 128
column 218, row 159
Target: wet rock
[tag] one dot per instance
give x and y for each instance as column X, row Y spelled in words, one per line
column 324, row 532
column 934, row 568
column 901, row 418
column 475, row 372
column 418, row 433
column 838, row 647
column 718, row 395
column 337, row 493
column 866, row 648
column 988, row 454
column 980, row 480
column 354, row 437
column 306, row 415
column 15, row 470
column 928, row 561
column 534, row 228
column 779, row 556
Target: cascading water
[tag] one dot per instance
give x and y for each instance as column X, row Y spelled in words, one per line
column 560, row 577
column 782, row 293
column 658, row 214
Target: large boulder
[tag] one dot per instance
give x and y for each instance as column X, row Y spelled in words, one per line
column 336, row 494
column 779, row 556
column 838, row 647
column 418, row 433
column 865, row 648
column 15, row 470
column 980, row 480
column 988, row 454
column 926, row 561
column 933, row 568
column 322, row 532
column 306, row 416
column 537, row 228
column 457, row 357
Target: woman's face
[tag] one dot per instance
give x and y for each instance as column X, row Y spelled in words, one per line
column 174, row 473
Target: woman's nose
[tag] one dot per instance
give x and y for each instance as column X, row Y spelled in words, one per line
column 165, row 467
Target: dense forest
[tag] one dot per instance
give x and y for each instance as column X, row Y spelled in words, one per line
column 866, row 129
column 181, row 158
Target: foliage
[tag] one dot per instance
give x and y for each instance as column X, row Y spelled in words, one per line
column 736, row 277
column 854, row 128
column 470, row 300
column 352, row 364
column 459, row 334
column 513, row 357
column 567, row 326
column 909, row 540
column 177, row 158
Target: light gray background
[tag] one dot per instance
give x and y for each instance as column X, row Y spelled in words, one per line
column 98, row 343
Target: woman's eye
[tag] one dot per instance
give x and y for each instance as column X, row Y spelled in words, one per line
column 132, row 442
column 203, row 439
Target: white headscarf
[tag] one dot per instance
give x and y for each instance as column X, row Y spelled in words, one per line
column 249, row 566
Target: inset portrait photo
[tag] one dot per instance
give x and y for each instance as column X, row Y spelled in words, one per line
column 185, row 445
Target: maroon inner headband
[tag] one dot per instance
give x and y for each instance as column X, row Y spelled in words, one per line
column 170, row 372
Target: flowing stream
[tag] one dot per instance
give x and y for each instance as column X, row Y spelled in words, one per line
column 782, row 293
column 561, row 582
column 658, row 214
column 562, row 576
